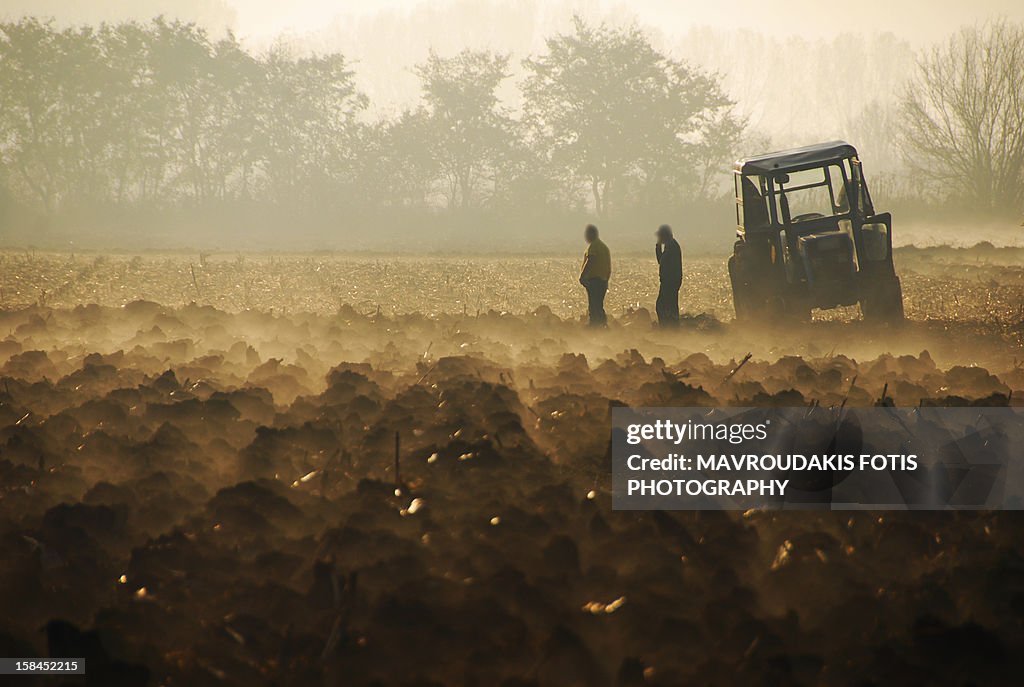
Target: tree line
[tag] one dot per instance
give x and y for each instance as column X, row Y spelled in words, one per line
column 162, row 117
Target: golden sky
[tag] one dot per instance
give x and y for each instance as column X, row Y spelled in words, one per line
column 916, row 20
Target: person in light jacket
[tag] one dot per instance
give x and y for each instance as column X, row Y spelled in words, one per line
column 594, row 275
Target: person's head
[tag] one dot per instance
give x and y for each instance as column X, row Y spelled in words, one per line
column 590, row 233
column 664, row 233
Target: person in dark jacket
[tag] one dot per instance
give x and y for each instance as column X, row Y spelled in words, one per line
column 670, row 273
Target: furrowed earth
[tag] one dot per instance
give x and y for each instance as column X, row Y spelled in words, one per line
column 198, row 483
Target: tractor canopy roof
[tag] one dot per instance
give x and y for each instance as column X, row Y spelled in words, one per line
column 796, row 158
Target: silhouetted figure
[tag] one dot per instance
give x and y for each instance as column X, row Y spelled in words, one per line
column 596, row 271
column 670, row 273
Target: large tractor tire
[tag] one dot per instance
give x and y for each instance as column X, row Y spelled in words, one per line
column 757, row 295
column 742, row 290
column 748, row 295
column 883, row 302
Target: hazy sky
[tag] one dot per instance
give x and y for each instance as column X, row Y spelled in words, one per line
column 916, row 20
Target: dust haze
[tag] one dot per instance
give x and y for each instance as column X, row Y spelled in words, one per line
column 296, row 382
column 219, row 140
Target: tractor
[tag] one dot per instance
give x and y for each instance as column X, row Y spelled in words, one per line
column 808, row 237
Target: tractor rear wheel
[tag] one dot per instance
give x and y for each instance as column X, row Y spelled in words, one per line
column 883, row 303
column 757, row 295
column 747, row 299
column 740, row 290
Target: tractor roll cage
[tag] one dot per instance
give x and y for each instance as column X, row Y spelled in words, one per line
column 796, row 159
column 771, row 173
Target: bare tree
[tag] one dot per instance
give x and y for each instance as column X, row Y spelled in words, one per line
column 963, row 115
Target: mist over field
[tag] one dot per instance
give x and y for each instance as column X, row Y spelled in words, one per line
column 412, row 127
column 297, row 386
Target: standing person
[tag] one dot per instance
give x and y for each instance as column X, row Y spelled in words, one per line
column 670, row 273
column 596, row 271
